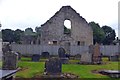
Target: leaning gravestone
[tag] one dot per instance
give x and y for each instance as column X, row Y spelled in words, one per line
column 35, row 57
column 62, row 55
column 10, row 59
column 86, row 58
column 53, row 66
column 45, row 55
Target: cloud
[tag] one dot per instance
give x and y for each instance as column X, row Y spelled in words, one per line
column 24, row 13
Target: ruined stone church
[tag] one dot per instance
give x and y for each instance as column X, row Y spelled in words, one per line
column 53, row 31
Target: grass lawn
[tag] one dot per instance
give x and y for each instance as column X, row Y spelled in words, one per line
column 31, row 69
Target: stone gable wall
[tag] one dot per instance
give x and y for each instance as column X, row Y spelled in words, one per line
column 53, row 29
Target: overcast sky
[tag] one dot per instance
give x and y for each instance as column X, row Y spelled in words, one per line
column 21, row 14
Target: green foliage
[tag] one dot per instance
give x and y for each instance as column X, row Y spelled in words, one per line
column 109, row 35
column 17, row 35
column 66, row 30
column 29, row 29
column 98, row 33
column 38, row 30
column 8, row 35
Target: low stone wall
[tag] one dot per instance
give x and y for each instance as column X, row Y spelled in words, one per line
column 53, row 50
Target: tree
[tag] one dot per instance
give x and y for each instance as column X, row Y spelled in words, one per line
column 66, row 30
column 8, row 35
column 98, row 33
column 29, row 29
column 109, row 35
column 17, row 35
column 38, row 30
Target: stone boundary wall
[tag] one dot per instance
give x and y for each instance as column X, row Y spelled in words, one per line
column 53, row 50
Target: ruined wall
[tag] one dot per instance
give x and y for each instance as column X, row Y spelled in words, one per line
column 53, row 29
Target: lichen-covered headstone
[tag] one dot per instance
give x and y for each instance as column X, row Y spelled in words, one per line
column 53, row 66
column 35, row 57
column 10, row 59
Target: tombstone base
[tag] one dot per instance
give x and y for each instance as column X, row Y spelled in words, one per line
column 52, row 76
column 111, row 73
column 64, row 60
column 113, row 58
column 61, row 76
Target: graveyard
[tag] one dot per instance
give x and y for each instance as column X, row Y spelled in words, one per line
column 91, row 64
column 59, row 54
column 36, row 69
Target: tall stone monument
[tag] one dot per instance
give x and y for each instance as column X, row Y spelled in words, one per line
column 97, row 56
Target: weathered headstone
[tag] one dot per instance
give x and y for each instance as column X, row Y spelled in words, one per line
column 62, row 55
column 86, row 58
column 114, row 57
column 35, row 57
column 53, row 66
column 96, row 54
column 61, row 52
column 10, row 59
column 45, row 55
column 91, row 49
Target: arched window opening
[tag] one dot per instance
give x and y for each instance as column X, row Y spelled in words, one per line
column 67, row 27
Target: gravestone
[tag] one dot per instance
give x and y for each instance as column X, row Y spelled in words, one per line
column 53, row 66
column 97, row 56
column 45, row 55
column 35, row 57
column 62, row 55
column 91, row 49
column 77, row 56
column 61, row 52
column 86, row 58
column 10, row 59
column 114, row 57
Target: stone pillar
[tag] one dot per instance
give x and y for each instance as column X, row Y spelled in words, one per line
column 96, row 54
